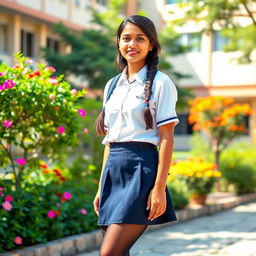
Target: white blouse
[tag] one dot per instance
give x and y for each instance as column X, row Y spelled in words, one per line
column 124, row 111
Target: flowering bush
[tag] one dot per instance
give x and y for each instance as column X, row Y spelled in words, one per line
column 46, row 207
column 199, row 175
column 38, row 115
column 220, row 118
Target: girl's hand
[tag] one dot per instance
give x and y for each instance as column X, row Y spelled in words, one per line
column 96, row 203
column 156, row 203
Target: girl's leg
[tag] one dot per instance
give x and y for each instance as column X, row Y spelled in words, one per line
column 119, row 238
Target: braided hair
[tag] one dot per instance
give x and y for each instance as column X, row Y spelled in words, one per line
column 147, row 26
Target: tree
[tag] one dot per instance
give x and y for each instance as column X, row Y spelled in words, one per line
column 220, row 119
column 223, row 13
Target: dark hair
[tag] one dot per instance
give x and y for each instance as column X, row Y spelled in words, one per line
column 147, row 26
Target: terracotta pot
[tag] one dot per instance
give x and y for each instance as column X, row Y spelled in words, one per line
column 198, row 199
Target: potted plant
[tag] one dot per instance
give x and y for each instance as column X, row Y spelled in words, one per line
column 199, row 176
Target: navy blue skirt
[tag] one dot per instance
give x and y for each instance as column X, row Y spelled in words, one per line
column 127, row 180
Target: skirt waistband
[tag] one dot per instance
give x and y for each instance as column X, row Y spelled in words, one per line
column 136, row 144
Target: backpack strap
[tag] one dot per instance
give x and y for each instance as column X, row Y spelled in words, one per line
column 113, row 83
column 112, row 87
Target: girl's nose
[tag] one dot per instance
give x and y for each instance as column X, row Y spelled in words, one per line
column 132, row 42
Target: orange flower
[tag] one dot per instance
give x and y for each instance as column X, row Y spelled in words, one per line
column 57, row 212
column 233, row 128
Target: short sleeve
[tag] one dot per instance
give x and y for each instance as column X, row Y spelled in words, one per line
column 166, row 103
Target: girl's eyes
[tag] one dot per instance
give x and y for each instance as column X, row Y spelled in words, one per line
column 127, row 39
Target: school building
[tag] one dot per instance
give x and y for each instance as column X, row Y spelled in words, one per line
column 27, row 25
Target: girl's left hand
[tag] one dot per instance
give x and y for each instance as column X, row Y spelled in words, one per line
column 156, row 203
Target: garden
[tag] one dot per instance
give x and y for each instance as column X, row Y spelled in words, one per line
column 50, row 156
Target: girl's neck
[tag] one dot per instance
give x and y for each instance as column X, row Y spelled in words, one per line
column 133, row 69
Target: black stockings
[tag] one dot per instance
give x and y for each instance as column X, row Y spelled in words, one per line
column 119, row 238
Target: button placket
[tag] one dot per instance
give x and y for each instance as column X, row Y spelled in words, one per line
column 121, row 110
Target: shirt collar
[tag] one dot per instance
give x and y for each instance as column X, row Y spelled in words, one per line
column 139, row 76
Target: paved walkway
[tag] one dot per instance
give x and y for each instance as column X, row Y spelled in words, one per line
column 228, row 233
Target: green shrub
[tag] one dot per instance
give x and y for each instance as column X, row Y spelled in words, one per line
column 179, row 193
column 238, row 167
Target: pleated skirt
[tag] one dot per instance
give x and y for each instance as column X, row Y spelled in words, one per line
column 127, row 180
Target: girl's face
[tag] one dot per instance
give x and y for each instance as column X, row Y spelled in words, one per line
column 134, row 45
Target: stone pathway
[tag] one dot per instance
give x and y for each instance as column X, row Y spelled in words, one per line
column 228, row 233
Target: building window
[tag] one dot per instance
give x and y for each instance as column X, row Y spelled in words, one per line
column 53, row 45
column 219, row 41
column 102, row 2
column 3, row 38
column 27, row 43
column 192, row 41
column 183, row 127
column 78, row 3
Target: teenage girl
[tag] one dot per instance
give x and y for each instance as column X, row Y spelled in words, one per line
column 139, row 116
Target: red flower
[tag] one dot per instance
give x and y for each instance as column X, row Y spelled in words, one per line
column 57, row 172
column 63, row 199
column 59, row 194
column 43, row 166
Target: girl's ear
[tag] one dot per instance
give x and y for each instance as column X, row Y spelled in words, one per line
column 151, row 46
column 118, row 42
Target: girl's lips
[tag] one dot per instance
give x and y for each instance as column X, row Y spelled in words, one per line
column 132, row 53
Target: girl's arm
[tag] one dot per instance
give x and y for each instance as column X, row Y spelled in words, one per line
column 97, row 197
column 105, row 157
column 157, row 198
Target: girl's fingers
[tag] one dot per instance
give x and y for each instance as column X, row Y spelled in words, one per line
column 149, row 202
column 156, row 212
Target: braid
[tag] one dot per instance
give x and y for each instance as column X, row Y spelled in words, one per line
column 99, row 124
column 152, row 68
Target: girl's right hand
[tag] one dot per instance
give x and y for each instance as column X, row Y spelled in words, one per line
column 96, row 203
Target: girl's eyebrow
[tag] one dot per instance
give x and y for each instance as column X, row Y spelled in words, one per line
column 136, row 35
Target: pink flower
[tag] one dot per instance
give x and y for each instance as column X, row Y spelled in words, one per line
column 1, row 189
column 74, row 91
column 83, row 211
column 8, row 83
column 1, row 73
column 7, row 206
column 8, row 198
column 52, row 97
column 86, row 131
column 18, row 240
column 21, row 161
column 16, row 66
column 61, row 129
column 7, row 123
column 82, row 112
column 50, row 68
column 29, row 61
column 67, row 195
column 51, row 214
column 53, row 80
